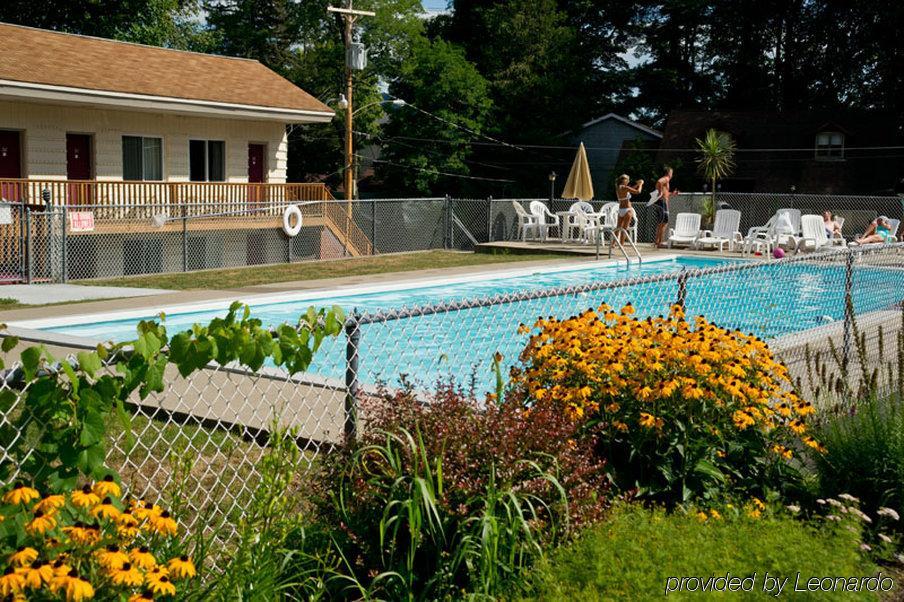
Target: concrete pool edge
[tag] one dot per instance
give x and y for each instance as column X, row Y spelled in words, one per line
column 223, row 302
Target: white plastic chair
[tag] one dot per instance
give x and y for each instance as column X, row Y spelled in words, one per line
column 813, row 235
column 772, row 234
column 575, row 220
column 540, row 211
column 527, row 222
column 725, row 231
column 686, row 230
column 598, row 224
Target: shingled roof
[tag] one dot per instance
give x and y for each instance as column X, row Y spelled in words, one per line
column 42, row 58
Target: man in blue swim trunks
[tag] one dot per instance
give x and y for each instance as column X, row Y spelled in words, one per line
column 662, row 205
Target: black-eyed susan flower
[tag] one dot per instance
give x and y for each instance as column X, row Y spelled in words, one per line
column 11, row 582
column 85, row 498
column 145, row 510
column 142, row 558
column 50, row 503
column 107, row 487
column 164, row 523
column 127, row 525
column 72, row 586
column 142, row 597
column 79, row 533
column 111, row 557
column 162, row 586
column 105, row 509
column 156, row 574
column 182, row 567
column 128, row 575
column 60, row 568
column 38, row 574
column 23, row 556
column 40, row 523
column 20, row 494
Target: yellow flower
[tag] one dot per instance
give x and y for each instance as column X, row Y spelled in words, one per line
column 105, row 509
column 111, row 557
column 23, row 556
column 41, row 523
column 82, row 534
column 107, row 487
column 182, row 567
column 647, row 420
column 702, row 517
column 126, row 575
column 142, row 597
column 715, row 514
column 156, row 573
column 127, row 525
column 11, row 582
column 38, row 574
column 85, row 498
column 20, row 494
column 75, row 588
column 142, row 558
column 51, row 503
column 627, row 310
column 162, row 586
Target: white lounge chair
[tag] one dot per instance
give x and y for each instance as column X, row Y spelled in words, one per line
column 527, row 222
column 773, row 234
column 813, row 235
column 893, row 224
column 725, row 231
column 539, row 210
column 574, row 221
column 686, row 230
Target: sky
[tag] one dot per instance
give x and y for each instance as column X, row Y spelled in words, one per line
column 435, row 6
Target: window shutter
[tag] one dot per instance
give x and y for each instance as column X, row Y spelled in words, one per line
column 216, row 161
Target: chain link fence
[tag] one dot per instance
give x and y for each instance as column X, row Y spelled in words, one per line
column 56, row 243
column 834, row 318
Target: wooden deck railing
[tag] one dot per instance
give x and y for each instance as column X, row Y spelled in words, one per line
column 123, row 201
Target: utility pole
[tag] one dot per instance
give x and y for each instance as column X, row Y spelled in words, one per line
column 349, row 15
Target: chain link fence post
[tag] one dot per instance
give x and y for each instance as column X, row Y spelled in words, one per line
column 64, row 260
column 28, row 245
column 848, row 306
column 446, row 222
column 489, row 219
column 682, row 289
column 184, row 239
column 373, row 227
column 352, row 341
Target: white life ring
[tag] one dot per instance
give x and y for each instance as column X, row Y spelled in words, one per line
column 288, row 228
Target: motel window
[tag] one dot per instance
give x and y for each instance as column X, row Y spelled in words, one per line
column 830, row 145
column 207, row 160
column 142, row 158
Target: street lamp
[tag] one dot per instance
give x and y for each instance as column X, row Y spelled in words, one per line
column 552, row 187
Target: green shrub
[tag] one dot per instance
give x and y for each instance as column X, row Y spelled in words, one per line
column 632, row 555
column 864, row 454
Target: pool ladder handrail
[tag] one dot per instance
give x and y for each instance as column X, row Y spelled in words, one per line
column 615, row 241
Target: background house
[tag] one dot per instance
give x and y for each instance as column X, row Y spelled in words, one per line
column 604, row 138
column 813, row 151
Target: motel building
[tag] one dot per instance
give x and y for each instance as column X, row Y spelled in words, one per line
column 132, row 140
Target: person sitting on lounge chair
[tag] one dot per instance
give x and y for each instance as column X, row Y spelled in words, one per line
column 878, row 232
column 832, row 227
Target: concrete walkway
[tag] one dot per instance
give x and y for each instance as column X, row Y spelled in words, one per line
column 39, row 294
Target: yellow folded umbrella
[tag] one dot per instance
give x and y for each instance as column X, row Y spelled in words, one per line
column 579, row 184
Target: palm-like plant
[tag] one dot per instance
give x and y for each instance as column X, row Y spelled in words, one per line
column 716, row 161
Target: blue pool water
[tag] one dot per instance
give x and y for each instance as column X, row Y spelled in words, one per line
column 770, row 300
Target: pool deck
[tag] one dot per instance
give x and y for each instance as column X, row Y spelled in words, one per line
column 159, row 299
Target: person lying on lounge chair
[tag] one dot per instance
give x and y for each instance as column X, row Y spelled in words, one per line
column 832, row 227
column 878, row 232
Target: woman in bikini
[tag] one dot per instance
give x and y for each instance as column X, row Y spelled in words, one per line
column 878, row 232
column 623, row 192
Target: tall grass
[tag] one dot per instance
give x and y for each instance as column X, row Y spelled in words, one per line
column 864, row 452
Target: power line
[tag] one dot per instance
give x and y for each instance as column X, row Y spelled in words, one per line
column 439, row 173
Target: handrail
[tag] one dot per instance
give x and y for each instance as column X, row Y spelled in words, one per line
column 615, row 241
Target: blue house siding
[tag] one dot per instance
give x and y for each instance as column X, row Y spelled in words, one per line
column 603, row 141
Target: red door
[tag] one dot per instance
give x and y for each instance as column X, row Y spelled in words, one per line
column 78, row 167
column 10, row 164
column 256, row 155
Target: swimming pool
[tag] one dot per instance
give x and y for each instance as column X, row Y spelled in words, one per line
column 771, row 300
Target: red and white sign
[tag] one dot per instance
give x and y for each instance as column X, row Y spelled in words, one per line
column 81, row 221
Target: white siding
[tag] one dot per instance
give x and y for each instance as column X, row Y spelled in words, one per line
column 45, row 127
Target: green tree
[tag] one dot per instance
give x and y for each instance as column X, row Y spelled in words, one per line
column 170, row 23
column 439, row 80
column 716, row 161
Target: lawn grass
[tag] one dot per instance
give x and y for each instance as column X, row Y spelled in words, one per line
column 315, row 270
